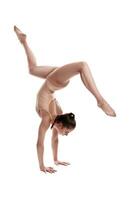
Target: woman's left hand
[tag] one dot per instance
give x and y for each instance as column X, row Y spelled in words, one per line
column 61, row 163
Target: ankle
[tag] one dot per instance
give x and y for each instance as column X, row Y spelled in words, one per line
column 100, row 101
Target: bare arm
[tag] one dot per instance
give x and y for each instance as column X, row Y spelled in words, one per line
column 55, row 148
column 45, row 123
column 54, row 143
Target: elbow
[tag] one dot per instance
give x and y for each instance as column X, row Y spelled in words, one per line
column 39, row 145
column 55, row 140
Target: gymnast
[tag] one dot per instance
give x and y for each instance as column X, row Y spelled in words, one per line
column 47, row 106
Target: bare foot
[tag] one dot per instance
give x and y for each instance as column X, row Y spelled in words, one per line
column 21, row 36
column 106, row 108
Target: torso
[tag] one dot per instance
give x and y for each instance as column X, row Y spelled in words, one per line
column 46, row 100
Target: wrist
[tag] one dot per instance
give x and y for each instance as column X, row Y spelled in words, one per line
column 56, row 161
column 42, row 165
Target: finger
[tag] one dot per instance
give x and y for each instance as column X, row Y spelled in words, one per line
column 44, row 171
column 60, row 163
column 64, row 163
column 51, row 171
column 67, row 163
column 54, row 170
column 56, row 163
column 50, row 168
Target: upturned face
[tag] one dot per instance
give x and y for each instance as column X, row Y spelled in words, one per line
column 61, row 129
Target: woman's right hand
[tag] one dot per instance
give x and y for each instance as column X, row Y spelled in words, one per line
column 47, row 169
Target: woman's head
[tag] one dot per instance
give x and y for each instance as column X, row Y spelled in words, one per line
column 64, row 123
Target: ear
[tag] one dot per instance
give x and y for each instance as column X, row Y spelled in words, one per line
column 60, row 125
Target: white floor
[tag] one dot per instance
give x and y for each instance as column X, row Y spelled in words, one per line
column 101, row 148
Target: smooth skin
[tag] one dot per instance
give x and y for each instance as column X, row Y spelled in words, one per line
column 59, row 75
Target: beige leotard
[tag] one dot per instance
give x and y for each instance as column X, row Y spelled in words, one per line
column 46, row 100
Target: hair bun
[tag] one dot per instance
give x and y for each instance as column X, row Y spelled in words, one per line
column 71, row 115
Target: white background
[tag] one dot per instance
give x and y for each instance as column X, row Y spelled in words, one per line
column 100, row 149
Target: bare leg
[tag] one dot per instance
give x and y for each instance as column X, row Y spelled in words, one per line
column 62, row 74
column 65, row 72
column 40, row 71
column 89, row 82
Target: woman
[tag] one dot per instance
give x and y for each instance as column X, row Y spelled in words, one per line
column 47, row 106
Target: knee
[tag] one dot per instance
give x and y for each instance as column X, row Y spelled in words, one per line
column 83, row 64
column 31, row 70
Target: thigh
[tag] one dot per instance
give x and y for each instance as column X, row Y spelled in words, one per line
column 55, row 108
column 42, row 71
column 65, row 72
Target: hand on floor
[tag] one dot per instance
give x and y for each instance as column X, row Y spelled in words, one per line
column 61, row 163
column 48, row 169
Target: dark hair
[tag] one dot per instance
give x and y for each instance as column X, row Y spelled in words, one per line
column 68, row 120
